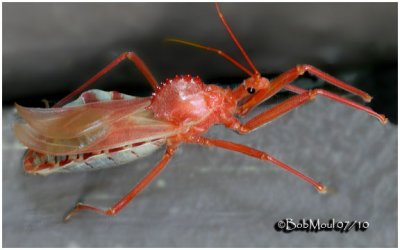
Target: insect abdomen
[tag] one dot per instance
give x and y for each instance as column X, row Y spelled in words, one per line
column 37, row 163
column 44, row 164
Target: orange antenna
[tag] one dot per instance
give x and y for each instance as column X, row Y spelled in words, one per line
column 219, row 52
column 235, row 40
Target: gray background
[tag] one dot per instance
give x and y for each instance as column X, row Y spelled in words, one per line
column 209, row 197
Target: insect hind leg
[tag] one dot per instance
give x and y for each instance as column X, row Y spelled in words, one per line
column 126, row 55
column 118, row 206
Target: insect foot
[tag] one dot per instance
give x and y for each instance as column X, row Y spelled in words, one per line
column 81, row 206
column 322, row 189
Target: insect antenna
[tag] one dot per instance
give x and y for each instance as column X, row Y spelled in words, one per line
column 219, row 52
column 236, row 40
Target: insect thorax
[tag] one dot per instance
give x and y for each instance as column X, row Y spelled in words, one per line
column 187, row 100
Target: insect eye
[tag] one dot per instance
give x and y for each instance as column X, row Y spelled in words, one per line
column 251, row 90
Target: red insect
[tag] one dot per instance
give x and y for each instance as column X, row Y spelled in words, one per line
column 106, row 129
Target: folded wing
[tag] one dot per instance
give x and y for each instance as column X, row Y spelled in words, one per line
column 69, row 122
column 90, row 127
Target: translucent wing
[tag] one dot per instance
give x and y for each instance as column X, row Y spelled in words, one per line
column 90, row 127
column 137, row 128
column 69, row 122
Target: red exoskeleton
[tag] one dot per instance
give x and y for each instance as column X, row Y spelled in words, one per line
column 105, row 129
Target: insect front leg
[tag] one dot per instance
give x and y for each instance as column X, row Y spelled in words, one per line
column 256, row 154
column 126, row 55
column 132, row 194
column 293, row 102
column 283, row 80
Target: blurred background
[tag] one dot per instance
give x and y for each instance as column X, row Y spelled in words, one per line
column 49, row 49
column 209, row 198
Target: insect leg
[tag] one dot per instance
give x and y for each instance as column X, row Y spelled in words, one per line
column 293, row 102
column 126, row 55
column 131, row 195
column 283, row 80
column 256, row 154
column 340, row 99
